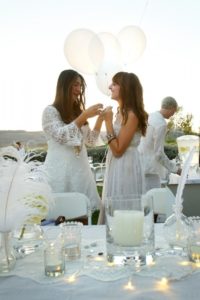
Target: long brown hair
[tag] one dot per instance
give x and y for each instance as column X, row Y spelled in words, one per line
column 67, row 107
column 131, row 94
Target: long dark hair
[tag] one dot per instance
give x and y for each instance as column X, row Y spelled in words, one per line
column 67, row 107
column 131, row 94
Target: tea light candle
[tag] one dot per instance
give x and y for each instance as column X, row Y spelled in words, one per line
column 54, row 270
column 194, row 253
column 163, row 285
column 128, row 227
column 129, row 286
column 54, row 261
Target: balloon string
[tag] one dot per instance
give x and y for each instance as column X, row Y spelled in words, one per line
column 144, row 11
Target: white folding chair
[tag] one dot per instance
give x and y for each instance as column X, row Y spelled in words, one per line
column 163, row 201
column 99, row 171
column 71, row 206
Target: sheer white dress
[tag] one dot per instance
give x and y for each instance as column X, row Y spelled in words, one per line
column 124, row 175
column 66, row 163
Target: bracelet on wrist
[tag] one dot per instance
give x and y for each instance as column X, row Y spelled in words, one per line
column 111, row 139
column 110, row 135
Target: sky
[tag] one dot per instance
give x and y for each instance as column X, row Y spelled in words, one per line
column 32, row 37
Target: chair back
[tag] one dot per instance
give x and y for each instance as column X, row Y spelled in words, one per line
column 163, row 201
column 71, row 206
column 98, row 170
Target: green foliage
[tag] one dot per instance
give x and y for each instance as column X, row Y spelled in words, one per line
column 99, row 189
column 38, row 155
column 98, row 154
column 172, row 135
column 95, row 217
column 171, row 151
column 181, row 122
column 95, row 214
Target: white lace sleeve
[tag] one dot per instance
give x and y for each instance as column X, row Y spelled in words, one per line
column 90, row 136
column 56, row 129
column 160, row 155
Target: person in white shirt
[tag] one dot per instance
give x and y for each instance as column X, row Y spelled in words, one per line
column 151, row 146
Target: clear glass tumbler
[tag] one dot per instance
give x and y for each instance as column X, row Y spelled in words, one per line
column 54, row 260
column 129, row 228
column 72, row 232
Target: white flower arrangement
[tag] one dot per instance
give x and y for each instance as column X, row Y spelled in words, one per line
column 25, row 195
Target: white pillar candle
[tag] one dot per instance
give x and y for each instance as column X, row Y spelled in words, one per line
column 128, row 227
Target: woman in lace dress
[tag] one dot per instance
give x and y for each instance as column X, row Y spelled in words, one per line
column 67, row 132
column 124, row 174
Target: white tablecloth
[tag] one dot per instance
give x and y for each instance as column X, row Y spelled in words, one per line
column 85, row 287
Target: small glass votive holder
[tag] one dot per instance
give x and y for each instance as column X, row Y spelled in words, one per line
column 71, row 232
column 193, row 244
column 27, row 239
column 54, row 260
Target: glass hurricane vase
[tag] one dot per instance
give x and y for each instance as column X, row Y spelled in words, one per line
column 7, row 257
column 177, row 229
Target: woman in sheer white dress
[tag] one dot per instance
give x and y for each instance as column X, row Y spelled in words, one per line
column 67, row 132
column 124, row 173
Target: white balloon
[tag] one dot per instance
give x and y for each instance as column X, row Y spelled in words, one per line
column 104, row 75
column 79, row 52
column 133, row 42
column 111, row 45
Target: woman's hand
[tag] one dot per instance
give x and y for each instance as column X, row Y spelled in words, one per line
column 93, row 110
column 107, row 113
column 90, row 112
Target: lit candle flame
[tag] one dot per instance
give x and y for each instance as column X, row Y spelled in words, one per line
column 129, row 286
column 111, row 264
column 99, row 258
column 150, row 261
column 71, row 278
column 163, row 284
column 184, row 263
column 197, row 265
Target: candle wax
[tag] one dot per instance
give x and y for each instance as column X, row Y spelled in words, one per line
column 128, row 227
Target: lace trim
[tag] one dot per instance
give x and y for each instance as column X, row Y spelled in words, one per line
column 56, row 129
column 68, row 134
column 90, row 136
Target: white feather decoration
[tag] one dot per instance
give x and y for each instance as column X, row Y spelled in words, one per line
column 182, row 181
column 25, row 195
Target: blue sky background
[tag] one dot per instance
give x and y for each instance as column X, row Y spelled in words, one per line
column 32, row 35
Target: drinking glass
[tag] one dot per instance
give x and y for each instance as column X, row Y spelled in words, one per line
column 54, row 260
column 54, row 256
column 193, row 243
column 72, row 232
